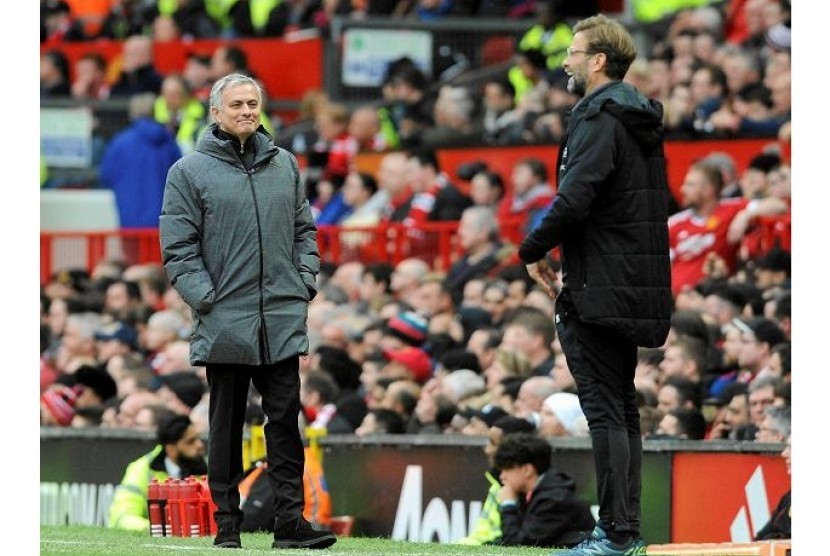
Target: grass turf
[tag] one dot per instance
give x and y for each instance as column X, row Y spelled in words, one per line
column 97, row 541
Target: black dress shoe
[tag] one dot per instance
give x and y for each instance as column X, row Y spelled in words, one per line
column 301, row 534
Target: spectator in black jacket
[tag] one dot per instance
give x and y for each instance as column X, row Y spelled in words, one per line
column 779, row 525
column 539, row 505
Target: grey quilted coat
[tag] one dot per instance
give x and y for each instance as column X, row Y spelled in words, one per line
column 240, row 246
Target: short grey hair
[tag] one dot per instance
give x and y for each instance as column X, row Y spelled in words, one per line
column 483, row 218
column 780, row 419
column 231, row 80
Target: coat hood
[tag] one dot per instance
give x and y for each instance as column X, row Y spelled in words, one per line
column 642, row 117
column 153, row 131
column 560, row 480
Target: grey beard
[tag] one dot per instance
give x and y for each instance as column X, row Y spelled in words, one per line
column 576, row 86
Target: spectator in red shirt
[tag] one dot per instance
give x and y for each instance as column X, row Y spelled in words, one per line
column 436, row 197
column 709, row 225
column 530, row 194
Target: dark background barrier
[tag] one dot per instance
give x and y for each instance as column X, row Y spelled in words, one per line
column 431, row 487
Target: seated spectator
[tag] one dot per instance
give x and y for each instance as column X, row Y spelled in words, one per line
column 138, row 72
column 539, row 505
column 318, row 395
column 165, row 30
column 90, row 81
column 779, row 525
column 381, row 421
column 487, row 528
column 487, row 189
column 181, row 391
column 562, row 416
column 364, row 126
column 58, row 24
column 179, row 454
column 500, row 123
column 453, row 124
column 190, row 17
column 692, row 239
column 54, row 75
column 682, row 422
column 776, row 425
column 408, row 110
column 407, row 362
column 126, row 18
column 530, row 193
column 436, row 197
column 483, row 253
column 196, row 72
column 180, row 111
column 57, row 405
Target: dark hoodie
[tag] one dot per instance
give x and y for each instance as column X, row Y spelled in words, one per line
column 610, row 215
column 552, row 515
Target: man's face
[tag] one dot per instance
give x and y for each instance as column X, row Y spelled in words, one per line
column 191, row 445
column 737, row 412
column 668, row 426
column 117, row 297
column 672, row 363
column 667, row 399
column 515, row 477
column 759, row 401
column 239, row 113
column 576, row 65
column 766, row 433
column 693, row 188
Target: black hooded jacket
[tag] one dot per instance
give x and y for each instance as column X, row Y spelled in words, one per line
column 553, row 515
column 610, row 215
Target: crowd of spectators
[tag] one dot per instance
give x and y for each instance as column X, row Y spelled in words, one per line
column 413, row 348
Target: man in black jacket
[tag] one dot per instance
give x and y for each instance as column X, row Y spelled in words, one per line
column 610, row 219
column 538, row 504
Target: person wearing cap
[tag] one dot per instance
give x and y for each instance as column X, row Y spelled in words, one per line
column 180, row 391
column 57, row 405
column 95, row 387
column 539, row 505
column 179, row 454
column 407, row 329
column 407, row 362
column 115, row 338
column 247, row 265
column 562, row 416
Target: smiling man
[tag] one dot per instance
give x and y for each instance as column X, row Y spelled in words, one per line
column 239, row 244
column 610, row 217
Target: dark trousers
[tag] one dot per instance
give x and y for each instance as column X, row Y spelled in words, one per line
column 279, row 386
column 602, row 362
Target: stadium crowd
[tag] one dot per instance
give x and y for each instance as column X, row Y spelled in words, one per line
column 410, row 348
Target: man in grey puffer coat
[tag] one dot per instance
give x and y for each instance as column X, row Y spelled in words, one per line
column 240, row 246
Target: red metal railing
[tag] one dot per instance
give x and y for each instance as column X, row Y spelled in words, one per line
column 435, row 242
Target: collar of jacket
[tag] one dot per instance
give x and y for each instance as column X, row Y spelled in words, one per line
column 221, row 144
column 591, row 104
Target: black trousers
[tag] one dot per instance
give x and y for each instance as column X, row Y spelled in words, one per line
column 279, row 386
column 602, row 362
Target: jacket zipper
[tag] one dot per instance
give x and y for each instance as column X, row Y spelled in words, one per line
column 264, row 348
